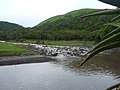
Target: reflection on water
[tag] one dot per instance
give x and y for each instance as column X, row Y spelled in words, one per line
column 102, row 64
column 97, row 74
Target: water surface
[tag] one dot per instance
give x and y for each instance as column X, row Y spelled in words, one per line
column 63, row 74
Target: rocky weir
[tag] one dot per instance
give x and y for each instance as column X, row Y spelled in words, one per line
column 54, row 50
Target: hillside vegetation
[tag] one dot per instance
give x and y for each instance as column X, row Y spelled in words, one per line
column 65, row 27
column 4, row 26
column 69, row 20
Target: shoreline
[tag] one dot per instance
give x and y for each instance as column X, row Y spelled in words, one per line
column 35, row 54
column 16, row 60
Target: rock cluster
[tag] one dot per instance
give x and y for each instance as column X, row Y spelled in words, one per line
column 51, row 50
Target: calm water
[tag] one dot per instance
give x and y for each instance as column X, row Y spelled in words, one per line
column 63, row 74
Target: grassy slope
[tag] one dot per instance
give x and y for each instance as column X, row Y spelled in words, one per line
column 10, row 49
column 66, row 16
column 72, row 21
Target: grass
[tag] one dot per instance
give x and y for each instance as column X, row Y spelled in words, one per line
column 63, row 42
column 57, row 42
column 7, row 49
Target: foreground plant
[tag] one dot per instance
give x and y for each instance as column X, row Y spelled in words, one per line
column 110, row 40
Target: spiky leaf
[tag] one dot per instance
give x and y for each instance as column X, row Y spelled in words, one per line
column 106, row 47
column 117, row 30
column 108, row 40
column 105, row 12
column 115, row 18
column 113, row 24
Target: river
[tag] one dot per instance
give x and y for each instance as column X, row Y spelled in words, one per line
column 98, row 73
column 62, row 74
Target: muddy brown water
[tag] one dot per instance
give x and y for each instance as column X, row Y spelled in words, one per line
column 97, row 74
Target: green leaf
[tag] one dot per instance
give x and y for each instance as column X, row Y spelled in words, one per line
column 113, row 24
column 105, row 12
column 115, row 18
column 117, row 30
column 106, row 47
column 113, row 38
column 113, row 87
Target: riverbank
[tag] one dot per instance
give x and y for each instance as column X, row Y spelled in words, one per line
column 16, row 49
column 12, row 54
column 37, row 53
column 7, row 49
column 71, row 49
column 14, row 60
column 54, row 42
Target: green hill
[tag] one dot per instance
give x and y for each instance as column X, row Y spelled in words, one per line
column 5, row 26
column 67, row 21
column 65, row 27
column 71, row 26
column 73, row 21
column 69, row 15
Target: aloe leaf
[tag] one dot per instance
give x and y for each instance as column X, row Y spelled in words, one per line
column 115, row 18
column 113, row 38
column 93, row 53
column 113, row 24
column 113, row 87
column 105, row 12
column 117, row 30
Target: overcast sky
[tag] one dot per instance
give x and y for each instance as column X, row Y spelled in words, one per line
column 31, row 12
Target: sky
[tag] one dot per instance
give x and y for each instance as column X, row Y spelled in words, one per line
column 29, row 13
